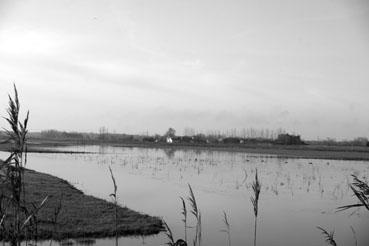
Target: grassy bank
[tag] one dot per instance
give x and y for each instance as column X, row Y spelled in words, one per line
column 80, row 215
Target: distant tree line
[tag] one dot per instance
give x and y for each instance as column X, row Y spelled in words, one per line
column 263, row 133
column 191, row 136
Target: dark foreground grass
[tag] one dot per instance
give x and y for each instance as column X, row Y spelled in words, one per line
column 80, row 215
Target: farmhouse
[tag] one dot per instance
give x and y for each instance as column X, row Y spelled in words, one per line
column 289, row 139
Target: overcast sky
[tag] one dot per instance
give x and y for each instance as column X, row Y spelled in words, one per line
column 133, row 66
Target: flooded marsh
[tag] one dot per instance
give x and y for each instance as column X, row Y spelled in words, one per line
column 297, row 195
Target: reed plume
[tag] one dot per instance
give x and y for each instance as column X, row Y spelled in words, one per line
column 196, row 212
column 256, row 186
column 184, row 213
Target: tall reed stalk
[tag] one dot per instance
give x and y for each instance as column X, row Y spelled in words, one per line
column 184, row 213
column 256, row 186
column 14, row 168
column 328, row 236
column 196, row 212
column 354, row 234
column 227, row 229
column 114, row 195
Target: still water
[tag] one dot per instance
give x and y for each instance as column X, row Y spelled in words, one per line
column 297, row 195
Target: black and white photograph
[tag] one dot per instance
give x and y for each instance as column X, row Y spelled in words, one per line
column 184, row 122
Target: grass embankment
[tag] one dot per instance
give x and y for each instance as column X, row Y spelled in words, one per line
column 81, row 215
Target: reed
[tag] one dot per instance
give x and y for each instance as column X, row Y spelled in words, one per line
column 114, row 195
column 227, row 229
column 354, row 234
column 361, row 191
column 169, row 234
column 328, row 236
column 256, row 187
column 197, row 214
column 184, row 213
column 13, row 176
column 198, row 228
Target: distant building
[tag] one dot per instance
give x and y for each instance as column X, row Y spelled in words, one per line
column 289, row 139
column 169, row 140
column 231, row 140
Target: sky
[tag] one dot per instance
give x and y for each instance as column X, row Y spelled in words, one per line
column 138, row 66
